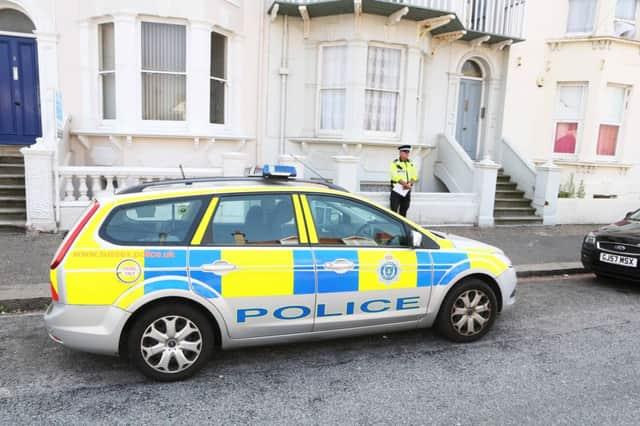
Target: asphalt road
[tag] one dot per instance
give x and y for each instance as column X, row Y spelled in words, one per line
column 566, row 354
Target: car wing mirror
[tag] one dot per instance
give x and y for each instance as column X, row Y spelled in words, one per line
column 415, row 239
column 628, row 215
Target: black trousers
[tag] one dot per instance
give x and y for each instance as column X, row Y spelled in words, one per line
column 400, row 204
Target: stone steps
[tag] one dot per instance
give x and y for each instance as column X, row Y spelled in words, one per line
column 511, row 208
column 13, row 211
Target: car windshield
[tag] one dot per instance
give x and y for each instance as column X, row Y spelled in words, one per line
column 635, row 215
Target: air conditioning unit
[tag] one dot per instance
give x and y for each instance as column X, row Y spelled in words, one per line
column 625, row 29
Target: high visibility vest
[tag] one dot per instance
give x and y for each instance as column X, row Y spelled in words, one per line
column 402, row 170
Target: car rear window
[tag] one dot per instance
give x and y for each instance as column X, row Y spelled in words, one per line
column 162, row 222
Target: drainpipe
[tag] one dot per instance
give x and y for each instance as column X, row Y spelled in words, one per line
column 283, row 83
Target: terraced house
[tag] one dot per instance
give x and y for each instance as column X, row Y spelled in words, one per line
column 104, row 94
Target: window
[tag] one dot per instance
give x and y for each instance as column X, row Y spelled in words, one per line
column 612, row 115
column 15, row 21
column 382, row 89
column 568, row 116
column 333, row 87
column 153, row 223
column 253, row 219
column 107, row 70
column 164, row 79
column 218, row 78
column 471, row 69
column 626, row 9
column 340, row 221
column 581, row 16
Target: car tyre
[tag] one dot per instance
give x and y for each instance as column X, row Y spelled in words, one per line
column 468, row 311
column 170, row 342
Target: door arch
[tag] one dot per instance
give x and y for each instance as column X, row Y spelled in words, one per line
column 20, row 122
column 470, row 109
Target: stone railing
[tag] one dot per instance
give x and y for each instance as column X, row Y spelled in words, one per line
column 79, row 184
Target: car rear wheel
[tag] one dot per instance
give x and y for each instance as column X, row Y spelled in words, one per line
column 468, row 311
column 170, row 343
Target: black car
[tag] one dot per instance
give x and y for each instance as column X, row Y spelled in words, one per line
column 614, row 250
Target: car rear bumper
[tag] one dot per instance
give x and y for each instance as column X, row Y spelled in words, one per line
column 93, row 329
column 590, row 258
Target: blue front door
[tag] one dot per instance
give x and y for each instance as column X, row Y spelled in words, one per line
column 19, row 95
column 469, row 115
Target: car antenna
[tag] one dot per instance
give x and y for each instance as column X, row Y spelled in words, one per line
column 312, row 169
column 182, row 171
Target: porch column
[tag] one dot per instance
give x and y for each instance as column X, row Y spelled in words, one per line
column 39, row 184
column 410, row 114
column 198, row 65
column 545, row 197
column 493, row 104
column 452, row 104
column 484, row 185
column 48, row 76
column 128, row 91
column 347, row 172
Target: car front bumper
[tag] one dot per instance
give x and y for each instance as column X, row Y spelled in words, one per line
column 86, row 328
column 508, row 281
column 590, row 258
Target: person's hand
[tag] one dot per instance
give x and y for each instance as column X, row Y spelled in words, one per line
column 406, row 186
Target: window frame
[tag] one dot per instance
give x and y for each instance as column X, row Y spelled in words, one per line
column 593, row 23
column 319, row 88
column 396, row 133
column 206, row 199
column 405, row 226
column 224, row 81
column 209, row 229
column 155, row 123
column 100, row 73
column 621, row 125
column 579, row 121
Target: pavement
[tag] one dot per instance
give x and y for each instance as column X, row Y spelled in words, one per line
column 567, row 353
column 534, row 250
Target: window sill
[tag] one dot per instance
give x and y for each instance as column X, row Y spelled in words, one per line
column 588, row 164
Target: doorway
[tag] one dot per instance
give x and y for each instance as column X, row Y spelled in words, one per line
column 470, row 109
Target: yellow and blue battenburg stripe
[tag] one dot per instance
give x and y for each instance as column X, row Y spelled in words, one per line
column 446, row 265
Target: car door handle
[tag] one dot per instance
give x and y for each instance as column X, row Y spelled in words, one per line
column 17, row 103
column 339, row 266
column 219, row 267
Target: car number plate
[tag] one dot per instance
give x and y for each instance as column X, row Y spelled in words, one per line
column 619, row 260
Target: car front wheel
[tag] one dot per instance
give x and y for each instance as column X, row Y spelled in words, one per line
column 468, row 311
column 170, row 343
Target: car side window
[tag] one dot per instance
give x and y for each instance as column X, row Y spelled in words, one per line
column 340, row 221
column 161, row 222
column 253, row 220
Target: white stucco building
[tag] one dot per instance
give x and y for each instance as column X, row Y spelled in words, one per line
column 572, row 98
column 130, row 90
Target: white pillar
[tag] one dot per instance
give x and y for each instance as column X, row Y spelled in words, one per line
column 127, row 63
column 410, row 113
column 48, row 80
column 233, row 163
column 493, row 105
column 452, row 104
column 198, row 66
column 347, row 172
column 545, row 197
column 38, row 174
column 290, row 160
column 484, row 185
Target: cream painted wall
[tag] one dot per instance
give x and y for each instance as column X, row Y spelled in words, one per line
column 549, row 56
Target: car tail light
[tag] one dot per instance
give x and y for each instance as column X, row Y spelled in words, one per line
column 71, row 237
column 54, row 293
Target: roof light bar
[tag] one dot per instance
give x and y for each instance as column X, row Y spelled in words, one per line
column 269, row 171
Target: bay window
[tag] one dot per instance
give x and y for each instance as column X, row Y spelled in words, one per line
column 382, row 89
column 218, row 79
column 333, row 88
column 612, row 115
column 106, row 70
column 164, row 84
column 581, row 16
column 568, row 115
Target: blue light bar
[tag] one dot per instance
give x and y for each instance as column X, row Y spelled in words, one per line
column 270, row 170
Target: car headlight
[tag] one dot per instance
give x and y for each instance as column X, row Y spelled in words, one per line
column 590, row 239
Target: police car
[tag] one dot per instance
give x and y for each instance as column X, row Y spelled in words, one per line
column 165, row 273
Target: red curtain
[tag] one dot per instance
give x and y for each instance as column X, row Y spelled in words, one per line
column 607, row 139
column 565, row 142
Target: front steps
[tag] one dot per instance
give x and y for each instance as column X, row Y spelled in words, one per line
column 13, row 209
column 511, row 207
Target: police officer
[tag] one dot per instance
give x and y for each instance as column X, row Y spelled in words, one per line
column 403, row 176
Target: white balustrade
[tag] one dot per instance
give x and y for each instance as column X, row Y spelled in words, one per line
column 503, row 17
column 79, row 184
